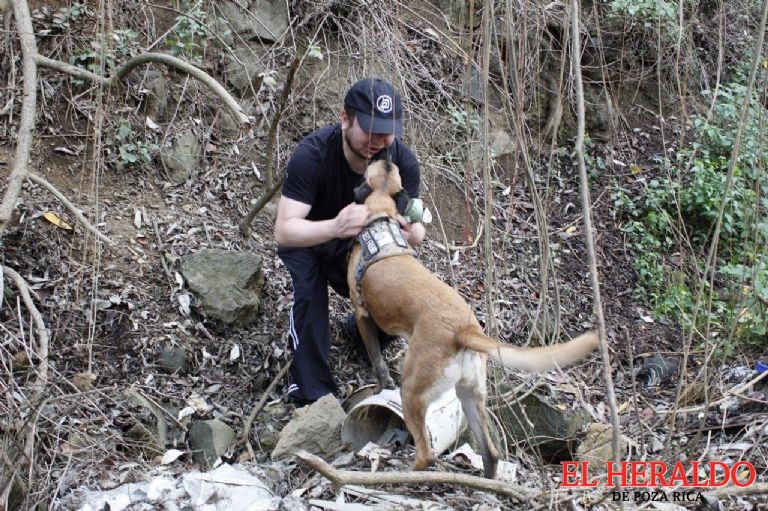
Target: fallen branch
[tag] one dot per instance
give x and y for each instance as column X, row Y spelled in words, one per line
column 341, row 478
column 734, row 392
column 148, row 58
column 71, row 207
column 263, row 401
column 736, row 491
column 28, row 110
column 42, row 332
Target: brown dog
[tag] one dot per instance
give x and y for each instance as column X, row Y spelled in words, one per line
column 447, row 347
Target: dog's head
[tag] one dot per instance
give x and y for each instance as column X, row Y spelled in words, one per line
column 381, row 188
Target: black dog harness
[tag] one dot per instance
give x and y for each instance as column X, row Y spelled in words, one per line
column 379, row 239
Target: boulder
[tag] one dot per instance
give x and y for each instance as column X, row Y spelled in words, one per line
column 597, row 448
column 266, row 19
column 227, row 284
column 182, row 160
column 315, row 429
column 242, row 69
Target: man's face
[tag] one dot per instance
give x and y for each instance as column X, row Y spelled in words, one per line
column 363, row 144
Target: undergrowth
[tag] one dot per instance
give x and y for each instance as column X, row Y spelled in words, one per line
column 670, row 228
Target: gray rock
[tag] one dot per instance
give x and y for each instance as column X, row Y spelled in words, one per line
column 227, row 284
column 540, row 427
column 242, row 69
column 501, row 142
column 182, row 160
column 265, row 19
column 174, row 359
column 226, row 124
column 144, row 441
column 208, row 440
column 315, row 428
column 225, row 35
column 597, row 447
column 157, row 99
column 268, row 438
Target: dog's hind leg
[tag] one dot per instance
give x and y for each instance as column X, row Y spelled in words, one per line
column 416, row 400
column 414, row 413
column 370, row 335
column 472, row 393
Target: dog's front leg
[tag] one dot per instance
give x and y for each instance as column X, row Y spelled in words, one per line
column 370, row 336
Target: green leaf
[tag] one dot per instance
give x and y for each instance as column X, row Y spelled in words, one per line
column 124, row 131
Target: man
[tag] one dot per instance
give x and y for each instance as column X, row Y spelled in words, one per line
column 317, row 215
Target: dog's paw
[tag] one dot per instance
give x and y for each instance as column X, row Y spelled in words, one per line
column 388, row 383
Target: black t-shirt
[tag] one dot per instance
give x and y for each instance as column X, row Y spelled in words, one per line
column 318, row 173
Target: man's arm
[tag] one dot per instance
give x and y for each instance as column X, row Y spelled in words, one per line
column 292, row 229
column 414, row 233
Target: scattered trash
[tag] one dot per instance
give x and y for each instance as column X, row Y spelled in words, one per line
column 466, row 456
column 170, row 456
column 657, row 369
column 379, row 419
column 227, row 488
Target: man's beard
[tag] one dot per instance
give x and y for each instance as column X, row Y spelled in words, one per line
column 352, row 147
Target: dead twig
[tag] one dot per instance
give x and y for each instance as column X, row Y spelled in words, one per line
column 262, row 402
column 341, row 478
column 42, row 332
column 31, row 176
column 736, row 391
column 245, row 225
column 736, row 491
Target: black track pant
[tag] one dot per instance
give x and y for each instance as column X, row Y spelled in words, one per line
column 312, row 270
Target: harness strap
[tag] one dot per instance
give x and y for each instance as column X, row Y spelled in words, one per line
column 380, row 238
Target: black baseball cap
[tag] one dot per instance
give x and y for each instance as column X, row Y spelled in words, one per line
column 376, row 105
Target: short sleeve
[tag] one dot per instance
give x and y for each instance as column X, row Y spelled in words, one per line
column 410, row 173
column 302, row 175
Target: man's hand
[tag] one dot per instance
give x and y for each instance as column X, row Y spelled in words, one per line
column 351, row 220
column 414, row 233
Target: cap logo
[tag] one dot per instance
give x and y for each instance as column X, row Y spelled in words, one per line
column 384, row 104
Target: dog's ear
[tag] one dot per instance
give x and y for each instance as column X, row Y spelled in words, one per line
column 362, row 191
column 388, row 164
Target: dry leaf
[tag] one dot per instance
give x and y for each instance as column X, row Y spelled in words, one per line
column 83, row 381
column 21, row 360
column 170, row 456
column 55, row 220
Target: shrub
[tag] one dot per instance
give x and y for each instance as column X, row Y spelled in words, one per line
column 677, row 215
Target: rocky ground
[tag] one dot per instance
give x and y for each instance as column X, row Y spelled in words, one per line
column 137, row 364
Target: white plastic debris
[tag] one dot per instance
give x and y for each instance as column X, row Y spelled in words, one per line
column 379, row 419
column 506, row 470
column 233, row 489
column 226, row 488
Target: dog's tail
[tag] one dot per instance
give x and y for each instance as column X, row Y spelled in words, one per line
column 534, row 360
